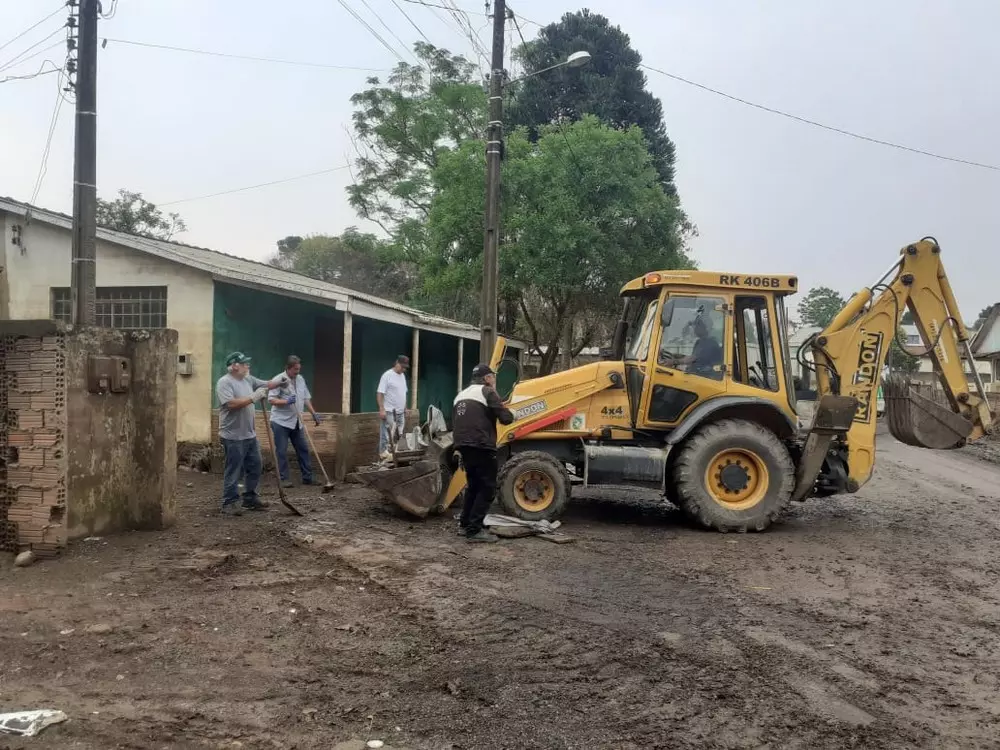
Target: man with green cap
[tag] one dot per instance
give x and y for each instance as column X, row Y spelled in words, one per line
column 238, row 392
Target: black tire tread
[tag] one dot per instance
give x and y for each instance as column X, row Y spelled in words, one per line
column 517, row 463
column 689, row 478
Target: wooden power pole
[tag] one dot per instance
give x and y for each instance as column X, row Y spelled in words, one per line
column 84, row 273
column 494, row 148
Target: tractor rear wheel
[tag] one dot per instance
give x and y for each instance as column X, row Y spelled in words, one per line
column 533, row 486
column 734, row 475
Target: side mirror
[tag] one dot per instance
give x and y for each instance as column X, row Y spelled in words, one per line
column 668, row 314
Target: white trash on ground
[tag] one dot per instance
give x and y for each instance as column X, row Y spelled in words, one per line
column 29, row 723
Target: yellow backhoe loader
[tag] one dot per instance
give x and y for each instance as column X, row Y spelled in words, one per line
column 697, row 401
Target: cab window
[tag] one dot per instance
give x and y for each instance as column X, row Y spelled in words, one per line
column 692, row 329
column 753, row 347
column 638, row 345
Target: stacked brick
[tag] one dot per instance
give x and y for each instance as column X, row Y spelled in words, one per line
column 33, row 444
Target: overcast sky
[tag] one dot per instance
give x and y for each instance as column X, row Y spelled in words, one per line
column 768, row 194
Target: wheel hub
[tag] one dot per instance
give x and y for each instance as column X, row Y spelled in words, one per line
column 534, row 490
column 734, row 477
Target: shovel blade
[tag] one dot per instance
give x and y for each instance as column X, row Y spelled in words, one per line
column 413, row 488
column 919, row 421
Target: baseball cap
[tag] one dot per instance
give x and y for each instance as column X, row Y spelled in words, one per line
column 237, row 358
column 481, row 371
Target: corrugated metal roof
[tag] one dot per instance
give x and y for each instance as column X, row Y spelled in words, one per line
column 241, row 270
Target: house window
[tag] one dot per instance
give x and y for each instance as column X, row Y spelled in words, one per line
column 122, row 307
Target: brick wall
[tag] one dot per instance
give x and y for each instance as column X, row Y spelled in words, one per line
column 33, row 443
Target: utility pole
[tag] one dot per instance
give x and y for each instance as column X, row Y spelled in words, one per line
column 494, row 148
column 84, row 271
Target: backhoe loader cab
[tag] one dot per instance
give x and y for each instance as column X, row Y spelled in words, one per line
column 697, row 401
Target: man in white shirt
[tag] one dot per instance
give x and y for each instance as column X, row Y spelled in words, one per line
column 288, row 402
column 391, row 397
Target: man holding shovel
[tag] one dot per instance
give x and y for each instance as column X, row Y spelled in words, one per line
column 288, row 403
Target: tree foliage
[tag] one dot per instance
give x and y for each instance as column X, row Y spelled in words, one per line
column 132, row 213
column 611, row 86
column 900, row 359
column 583, row 212
column 820, row 306
column 401, row 128
column 355, row 260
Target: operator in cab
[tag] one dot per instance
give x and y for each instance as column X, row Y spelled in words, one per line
column 707, row 353
column 477, row 410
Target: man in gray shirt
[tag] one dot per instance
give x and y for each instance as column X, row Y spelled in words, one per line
column 238, row 393
column 287, row 406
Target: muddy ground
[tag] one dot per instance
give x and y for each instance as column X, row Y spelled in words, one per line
column 867, row 621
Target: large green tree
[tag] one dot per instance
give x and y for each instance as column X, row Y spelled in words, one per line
column 583, row 212
column 612, row 86
column 401, row 128
column 132, row 213
column 355, row 260
column 820, row 306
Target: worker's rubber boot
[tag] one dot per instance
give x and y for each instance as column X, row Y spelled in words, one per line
column 482, row 536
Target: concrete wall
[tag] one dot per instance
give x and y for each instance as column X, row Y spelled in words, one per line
column 122, row 447
column 75, row 463
column 45, row 263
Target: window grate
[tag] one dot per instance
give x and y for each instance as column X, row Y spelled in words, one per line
column 122, row 307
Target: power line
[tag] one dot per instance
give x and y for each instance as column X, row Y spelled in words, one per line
column 19, row 58
column 412, row 22
column 33, row 55
column 821, row 125
column 386, row 26
column 300, row 63
column 435, row 5
column 40, row 72
column 43, row 167
column 259, row 185
column 371, row 31
column 31, row 28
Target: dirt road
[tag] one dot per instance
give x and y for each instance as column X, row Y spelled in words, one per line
column 866, row 621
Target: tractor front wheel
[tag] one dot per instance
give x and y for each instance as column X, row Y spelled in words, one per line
column 734, row 475
column 533, row 486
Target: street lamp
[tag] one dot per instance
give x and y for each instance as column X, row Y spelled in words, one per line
column 494, row 143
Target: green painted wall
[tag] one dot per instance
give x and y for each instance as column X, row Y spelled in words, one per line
column 375, row 347
column 267, row 327
column 438, row 372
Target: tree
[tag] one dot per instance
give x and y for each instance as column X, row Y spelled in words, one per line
column 355, row 260
column 820, row 306
column 583, row 212
column 985, row 313
column 401, row 129
column 907, row 319
column 133, row 214
column 612, row 86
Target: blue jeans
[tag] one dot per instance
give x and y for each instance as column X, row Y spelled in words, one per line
column 383, row 434
column 242, row 458
column 284, row 435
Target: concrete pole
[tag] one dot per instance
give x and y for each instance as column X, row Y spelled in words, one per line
column 461, row 358
column 83, row 284
column 415, row 369
column 494, row 146
column 345, row 387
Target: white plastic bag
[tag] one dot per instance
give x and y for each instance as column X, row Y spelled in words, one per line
column 29, row 723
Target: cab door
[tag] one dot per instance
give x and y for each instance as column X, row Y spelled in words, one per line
column 689, row 358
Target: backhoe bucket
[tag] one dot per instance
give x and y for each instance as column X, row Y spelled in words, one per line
column 414, row 488
column 919, row 421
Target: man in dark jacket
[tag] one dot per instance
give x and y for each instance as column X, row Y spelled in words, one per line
column 477, row 410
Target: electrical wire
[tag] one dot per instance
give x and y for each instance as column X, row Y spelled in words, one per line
column 111, row 13
column 386, row 26
column 34, row 55
column 31, row 28
column 371, row 31
column 43, row 167
column 19, row 58
column 412, row 22
column 211, row 53
column 816, row 124
column 259, row 185
column 40, row 72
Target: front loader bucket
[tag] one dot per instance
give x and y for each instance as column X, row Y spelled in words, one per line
column 919, row 421
column 413, row 488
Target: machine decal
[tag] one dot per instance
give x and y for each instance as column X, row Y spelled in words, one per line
column 529, row 410
column 760, row 282
column 613, row 412
column 578, row 421
column 869, row 355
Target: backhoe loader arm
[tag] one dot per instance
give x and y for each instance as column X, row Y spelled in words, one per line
column 850, row 354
